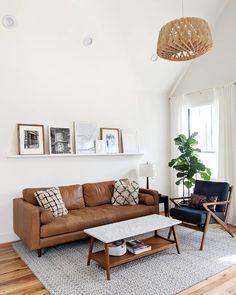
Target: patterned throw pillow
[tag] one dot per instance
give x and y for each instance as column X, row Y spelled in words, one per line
column 125, row 194
column 51, row 199
column 197, row 201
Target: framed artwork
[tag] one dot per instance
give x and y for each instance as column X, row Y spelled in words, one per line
column 112, row 140
column 86, row 135
column 30, row 139
column 60, row 140
column 130, row 141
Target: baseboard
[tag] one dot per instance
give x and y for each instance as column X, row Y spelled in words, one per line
column 8, row 238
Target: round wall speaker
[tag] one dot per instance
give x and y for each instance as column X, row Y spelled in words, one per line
column 9, row 21
column 88, row 41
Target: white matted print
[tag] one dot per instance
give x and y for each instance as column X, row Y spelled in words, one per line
column 130, row 141
column 60, row 140
column 111, row 137
column 85, row 136
column 100, row 146
column 30, row 139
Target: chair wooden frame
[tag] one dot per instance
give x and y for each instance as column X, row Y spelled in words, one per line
column 210, row 214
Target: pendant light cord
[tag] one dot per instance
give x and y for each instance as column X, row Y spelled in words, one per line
column 182, row 8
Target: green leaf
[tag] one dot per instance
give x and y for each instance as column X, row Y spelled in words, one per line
column 192, row 141
column 172, row 162
column 200, row 166
column 188, row 184
column 178, row 182
column 194, row 134
column 208, row 171
column 205, row 176
column 181, row 167
column 181, row 149
column 182, row 137
column 192, row 172
column 181, row 174
column 197, row 150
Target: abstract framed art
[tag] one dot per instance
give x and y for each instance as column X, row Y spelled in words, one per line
column 112, row 139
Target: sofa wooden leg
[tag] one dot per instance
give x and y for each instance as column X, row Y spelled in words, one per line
column 39, row 252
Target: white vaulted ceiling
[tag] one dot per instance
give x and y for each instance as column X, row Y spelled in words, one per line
column 124, row 31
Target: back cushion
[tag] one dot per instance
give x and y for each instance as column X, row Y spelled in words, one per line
column 99, row 193
column 212, row 188
column 72, row 196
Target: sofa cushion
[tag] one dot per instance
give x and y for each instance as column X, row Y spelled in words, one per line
column 213, row 188
column 72, row 195
column 99, row 193
column 146, row 199
column 51, row 199
column 78, row 220
column 60, row 225
column 193, row 216
column 197, row 201
column 125, row 194
column 46, row 216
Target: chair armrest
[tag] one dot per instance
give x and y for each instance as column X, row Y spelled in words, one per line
column 26, row 219
column 156, row 195
column 216, row 203
column 180, row 198
column 205, row 205
column 173, row 200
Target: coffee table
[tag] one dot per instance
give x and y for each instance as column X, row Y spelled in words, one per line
column 129, row 228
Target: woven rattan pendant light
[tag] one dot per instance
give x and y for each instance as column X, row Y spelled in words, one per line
column 184, row 39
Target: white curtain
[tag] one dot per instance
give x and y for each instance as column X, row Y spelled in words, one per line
column 225, row 99
column 178, row 125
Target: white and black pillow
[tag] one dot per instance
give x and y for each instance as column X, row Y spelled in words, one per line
column 125, row 194
column 51, row 199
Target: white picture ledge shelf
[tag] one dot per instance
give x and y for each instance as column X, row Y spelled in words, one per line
column 75, row 155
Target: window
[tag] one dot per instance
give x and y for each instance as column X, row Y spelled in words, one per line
column 201, row 119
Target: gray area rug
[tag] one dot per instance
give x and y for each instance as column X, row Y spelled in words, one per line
column 63, row 270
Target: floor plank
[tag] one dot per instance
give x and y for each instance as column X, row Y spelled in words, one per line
column 17, row 279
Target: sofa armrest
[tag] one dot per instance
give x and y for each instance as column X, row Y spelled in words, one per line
column 26, row 223
column 155, row 194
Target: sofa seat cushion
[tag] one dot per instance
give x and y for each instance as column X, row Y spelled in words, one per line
column 60, row 225
column 193, row 216
column 108, row 213
column 78, row 220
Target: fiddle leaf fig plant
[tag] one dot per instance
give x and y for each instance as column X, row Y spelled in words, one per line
column 188, row 165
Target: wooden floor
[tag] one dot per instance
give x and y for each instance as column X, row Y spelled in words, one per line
column 17, row 279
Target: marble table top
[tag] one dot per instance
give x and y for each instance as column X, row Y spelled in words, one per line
column 125, row 229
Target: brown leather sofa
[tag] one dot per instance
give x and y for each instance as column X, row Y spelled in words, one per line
column 89, row 205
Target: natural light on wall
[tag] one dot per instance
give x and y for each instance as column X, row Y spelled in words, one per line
column 201, row 119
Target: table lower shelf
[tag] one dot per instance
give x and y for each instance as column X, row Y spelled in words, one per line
column 157, row 243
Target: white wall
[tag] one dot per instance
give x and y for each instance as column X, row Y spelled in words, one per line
column 218, row 66
column 48, row 77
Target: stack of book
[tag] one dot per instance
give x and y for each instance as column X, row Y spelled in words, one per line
column 137, row 247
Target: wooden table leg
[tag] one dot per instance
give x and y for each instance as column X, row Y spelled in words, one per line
column 175, row 238
column 107, row 261
column 90, row 250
